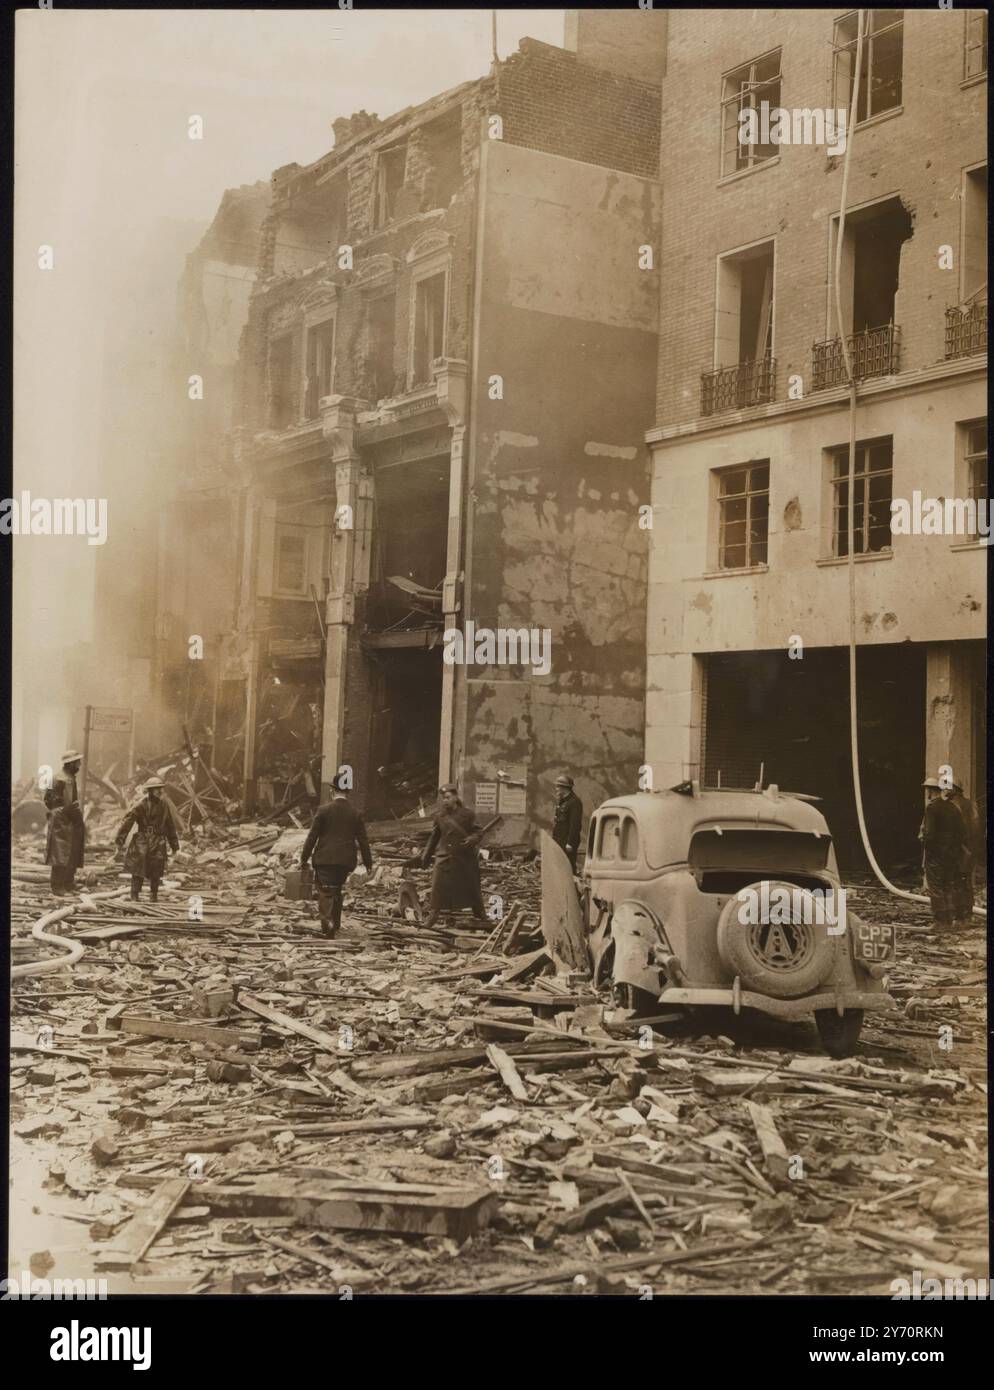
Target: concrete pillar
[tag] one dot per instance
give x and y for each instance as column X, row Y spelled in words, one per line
column 673, row 717
column 949, row 712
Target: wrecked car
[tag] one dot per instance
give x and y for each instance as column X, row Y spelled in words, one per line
column 731, row 898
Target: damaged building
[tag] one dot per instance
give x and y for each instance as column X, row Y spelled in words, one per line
column 444, row 385
column 748, row 630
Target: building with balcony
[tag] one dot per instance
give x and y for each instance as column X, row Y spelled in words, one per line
column 747, row 649
column 445, row 380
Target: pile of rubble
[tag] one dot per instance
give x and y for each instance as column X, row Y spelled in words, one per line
column 217, row 1098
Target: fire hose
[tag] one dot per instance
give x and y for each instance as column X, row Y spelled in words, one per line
column 40, row 933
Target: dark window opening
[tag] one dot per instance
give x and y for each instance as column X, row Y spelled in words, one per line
column 881, row 65
column 291, row 560
column 379, row 362
column 975, row 234
column 282, row 395
column 390, row 169
column 320, row 365
column 874, row 245
column 743, row 516
column 873, row 490
column 429, row 326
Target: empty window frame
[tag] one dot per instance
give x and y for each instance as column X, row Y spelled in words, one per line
column 381, row 328
column 744, row 317
column 973, row 261
column 881, row 65
column 282, row 387
column 320, row 365
column 391, row 166
column 873, row 482
column 975, row 46
column 747, row 88
column 974, row 436
column 608, row 837
column 870, row 265
column 743, row 515
column 429, row 326
column 290, row 561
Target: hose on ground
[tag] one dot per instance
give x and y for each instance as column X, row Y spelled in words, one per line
column 40, row 933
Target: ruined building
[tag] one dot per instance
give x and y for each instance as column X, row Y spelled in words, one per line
column 750, row 445
column 444, row 386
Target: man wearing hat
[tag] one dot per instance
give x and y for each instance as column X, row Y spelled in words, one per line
column 155, row 834
column 455, row 882
column 334, row 834
column 568, row 818
column 66, row 833
column 945, row 837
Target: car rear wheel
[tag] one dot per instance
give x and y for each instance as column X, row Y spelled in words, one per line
column 784, row 959
column 839, row 1036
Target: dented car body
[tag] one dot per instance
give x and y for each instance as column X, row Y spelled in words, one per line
column 730, row 898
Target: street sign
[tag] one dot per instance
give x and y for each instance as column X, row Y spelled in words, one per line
column 110, row 721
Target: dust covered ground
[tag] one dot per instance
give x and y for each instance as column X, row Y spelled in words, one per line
column 239, row 1104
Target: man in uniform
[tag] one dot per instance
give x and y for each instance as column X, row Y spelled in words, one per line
column 568, row 818
column 455, row 836
column 947, row 856
column 155, row 834
column 66, row 834
column 335, row 832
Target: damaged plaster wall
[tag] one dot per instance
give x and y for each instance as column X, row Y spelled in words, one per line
column 567, row 319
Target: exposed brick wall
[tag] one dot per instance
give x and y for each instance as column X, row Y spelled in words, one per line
column 917, row 154
column 550, row 101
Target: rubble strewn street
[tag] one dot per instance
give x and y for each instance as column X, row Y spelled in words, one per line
column 235, row 1103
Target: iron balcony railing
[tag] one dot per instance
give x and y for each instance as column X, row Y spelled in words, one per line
column 872, row 353
column 734, row 388
column 966, row 330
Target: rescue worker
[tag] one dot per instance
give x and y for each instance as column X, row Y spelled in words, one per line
column 455, row 836
column 963, row 889
column 65, row 837
column 947, row 856
column 155, row 834
column 335, row 832
column 568, row 818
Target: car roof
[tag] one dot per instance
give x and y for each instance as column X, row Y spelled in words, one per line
column 667, row 820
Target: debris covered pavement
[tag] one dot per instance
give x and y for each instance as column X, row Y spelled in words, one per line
column 235, row 1103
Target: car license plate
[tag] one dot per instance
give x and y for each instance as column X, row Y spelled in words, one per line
column 874, row 941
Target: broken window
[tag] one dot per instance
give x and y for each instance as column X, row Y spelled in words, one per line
column 975, row 460
column 429, row 326
column 975, row 232
column 320, row 365
column 629, row 838
column 291, row 560
column 872, row 488
column 975, row 54
column 390, row 169
column 744, row 372
column 870, row 279
column 748, row 88
column 610, row 834
column 282, row 392
column 881, row 64
column 379, row 361
column 743, row 515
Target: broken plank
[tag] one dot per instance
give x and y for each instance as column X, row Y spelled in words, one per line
column 190, row 1032
column 775, row 1157
column 507, row 1072
column 447, row 1212
column 146, row 1224
column 315, row 1035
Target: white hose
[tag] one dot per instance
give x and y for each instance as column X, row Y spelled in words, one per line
column 74, row 948
column 851, row 508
